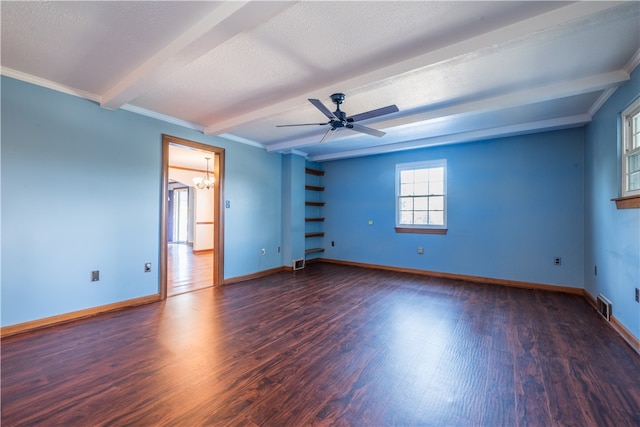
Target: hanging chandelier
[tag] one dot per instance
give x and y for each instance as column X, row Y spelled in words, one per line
column 208, row 181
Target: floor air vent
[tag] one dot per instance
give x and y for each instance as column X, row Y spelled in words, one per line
column 298, row 264
column 604, row 307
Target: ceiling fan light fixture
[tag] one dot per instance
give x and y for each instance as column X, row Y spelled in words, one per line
column 206, row 182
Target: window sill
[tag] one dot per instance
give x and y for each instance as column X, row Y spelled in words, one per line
column 629, row 202
column 421, row 230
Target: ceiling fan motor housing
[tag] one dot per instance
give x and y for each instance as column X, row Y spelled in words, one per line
column 337, row 98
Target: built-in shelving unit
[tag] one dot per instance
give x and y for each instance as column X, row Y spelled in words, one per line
column 314, row 218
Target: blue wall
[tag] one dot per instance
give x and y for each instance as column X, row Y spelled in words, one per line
column 514, row 204
column 81, row 192
column 612, row 236
column 253, row 185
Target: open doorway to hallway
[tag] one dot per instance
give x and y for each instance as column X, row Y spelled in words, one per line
column 191, row 243
column 189, row 264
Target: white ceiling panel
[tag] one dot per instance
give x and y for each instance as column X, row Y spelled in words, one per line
column 90, row 45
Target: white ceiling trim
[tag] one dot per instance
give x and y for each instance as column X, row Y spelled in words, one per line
column 517, row 30
column 48, row 84
column 164, row 118
column 601, row 100
column 498, row 132
column 240, row 139
column 632, row 63
column 296, row 152
column 211, row 31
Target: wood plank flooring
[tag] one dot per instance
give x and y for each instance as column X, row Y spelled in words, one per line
column 186, row 271
column 329, row 345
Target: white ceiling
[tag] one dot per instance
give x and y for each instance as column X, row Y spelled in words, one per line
column 458, row 71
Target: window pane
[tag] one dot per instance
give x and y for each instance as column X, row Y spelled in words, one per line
column 406, row 176
column 633, row 163
column 420, row 218
column 420, row 203
column 436, row 174
column 436, row 187
column 436, row 203
column 406, row 217
column 436, row 217
column 406, row 189
column 635, row 128
column 634, row 181
column 406, row 204
column 421, row 189
column 421, row 175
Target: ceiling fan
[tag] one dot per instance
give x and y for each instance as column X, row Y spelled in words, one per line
column 339, row 119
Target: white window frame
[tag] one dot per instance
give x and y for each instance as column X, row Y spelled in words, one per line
column 626, row 145
column 421, row 228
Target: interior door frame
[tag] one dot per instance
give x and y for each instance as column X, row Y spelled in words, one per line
column 218, row 212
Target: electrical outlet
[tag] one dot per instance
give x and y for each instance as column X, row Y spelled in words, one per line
column 264, row 251
column 278, row 249
column 227, row 204
column 333, row 243
column 147, row 267
column 595, row 270
column 420, row 250
column 95, row 275
column 637, row 295
column 557, row 261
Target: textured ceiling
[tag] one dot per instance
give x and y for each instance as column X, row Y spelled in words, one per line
column 458, row 71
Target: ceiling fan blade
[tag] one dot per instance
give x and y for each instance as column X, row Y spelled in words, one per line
column 303, row 124
column 373, row 113
column 320, row 106
column 326, row 136
column 367, row 130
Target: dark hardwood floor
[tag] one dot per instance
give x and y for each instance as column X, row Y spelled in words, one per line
column 186, row 271
column 329, row 345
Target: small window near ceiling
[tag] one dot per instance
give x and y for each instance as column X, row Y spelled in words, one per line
column 421, row 199
column 631, row 150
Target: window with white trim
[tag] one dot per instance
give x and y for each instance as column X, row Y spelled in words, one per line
column 421, row 203
column 631, row 150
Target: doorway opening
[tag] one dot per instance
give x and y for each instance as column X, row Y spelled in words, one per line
column 192, row 244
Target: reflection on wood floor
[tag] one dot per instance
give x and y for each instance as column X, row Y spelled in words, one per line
column 187, row 271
